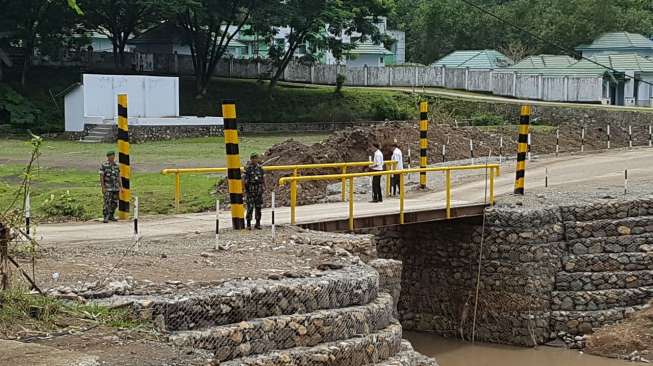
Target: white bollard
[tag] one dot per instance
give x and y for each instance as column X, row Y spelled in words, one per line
column 409, row 158
column 217, row 224
column 471, row 150
column 529, row 146
column 444, row 153
column 557, row 141
column 546, row 177
column 500, row 150
column 582, row 139
column 625, row 182
column 136, row 207
column 608, row 136
column 274, row 230
column 650, row 136
column 630, row 137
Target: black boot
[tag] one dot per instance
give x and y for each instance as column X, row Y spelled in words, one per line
column 105, row 219
column 258, row 225
column 249, row 224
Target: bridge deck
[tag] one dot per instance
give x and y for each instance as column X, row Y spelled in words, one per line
column 391, row 219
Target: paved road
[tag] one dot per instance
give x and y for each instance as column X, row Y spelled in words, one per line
column 578, row 170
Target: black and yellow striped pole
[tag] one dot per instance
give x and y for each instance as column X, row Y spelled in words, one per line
column 233, row 164
column 123, row 158
column 522, row 148
column 423, row 141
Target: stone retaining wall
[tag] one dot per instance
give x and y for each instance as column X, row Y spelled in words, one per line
column 544, row 271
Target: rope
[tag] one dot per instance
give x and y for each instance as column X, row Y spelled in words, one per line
column 480, row 253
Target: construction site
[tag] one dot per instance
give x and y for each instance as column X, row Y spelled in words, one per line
column 536, row 238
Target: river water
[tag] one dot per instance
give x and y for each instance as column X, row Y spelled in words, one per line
column 452, row 352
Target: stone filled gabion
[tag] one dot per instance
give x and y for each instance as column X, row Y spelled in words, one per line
column 543, row 271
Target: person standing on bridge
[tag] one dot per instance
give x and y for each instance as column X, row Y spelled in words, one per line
column 397, row 157
column 111, row 186
column 377, row 166
column 254, row 188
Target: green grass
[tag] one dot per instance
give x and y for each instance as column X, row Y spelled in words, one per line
column 42, row 313
column 73, row 167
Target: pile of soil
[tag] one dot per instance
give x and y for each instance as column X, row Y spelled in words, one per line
column 356, row 144
column 631, row 339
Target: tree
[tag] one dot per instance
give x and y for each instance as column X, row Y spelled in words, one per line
column 34, row 23
column 209, row 26
column 119, row 20
column 323, row 24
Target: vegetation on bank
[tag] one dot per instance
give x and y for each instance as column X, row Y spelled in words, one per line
column 23, row 312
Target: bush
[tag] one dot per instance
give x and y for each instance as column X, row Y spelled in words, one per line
column 486, row 119
column 64, row 205
column 340, row 82
column 388, row 108
column 16, row 109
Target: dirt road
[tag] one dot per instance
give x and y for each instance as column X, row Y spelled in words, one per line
column 583, row 173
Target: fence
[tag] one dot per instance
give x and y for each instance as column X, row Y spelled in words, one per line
column 499, row 82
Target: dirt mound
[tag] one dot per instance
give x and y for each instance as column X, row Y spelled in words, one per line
column 631, row 339
column 356, row 144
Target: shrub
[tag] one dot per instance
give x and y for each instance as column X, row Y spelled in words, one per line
column 486, row 119
column 64, row 205
column 340, row 82
column 388, row 108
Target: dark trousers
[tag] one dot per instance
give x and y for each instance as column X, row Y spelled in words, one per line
column 254, row 207
column 395, row 184
column 376, row 188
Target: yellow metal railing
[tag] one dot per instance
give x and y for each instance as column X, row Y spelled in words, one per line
column 295, row 169
column 493, row 171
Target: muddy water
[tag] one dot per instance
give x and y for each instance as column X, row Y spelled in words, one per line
column 450, row 352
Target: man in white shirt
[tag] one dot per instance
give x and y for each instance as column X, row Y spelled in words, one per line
column 399, row 158
column 377, row 165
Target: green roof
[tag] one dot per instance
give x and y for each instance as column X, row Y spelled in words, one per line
column 367, row 48
column 541, row 61
column 475, row 59
column 619, row 62
column 617, row 41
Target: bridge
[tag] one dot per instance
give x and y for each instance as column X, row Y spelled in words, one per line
column 467, row 199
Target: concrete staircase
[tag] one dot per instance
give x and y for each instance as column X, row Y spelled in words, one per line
column 338, row 318
column 99, row 133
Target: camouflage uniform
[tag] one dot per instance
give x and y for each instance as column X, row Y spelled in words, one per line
column 254, row 185
column 111, row 178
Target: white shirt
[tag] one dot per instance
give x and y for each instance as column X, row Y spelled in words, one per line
column 398, row 157
column 378, row 160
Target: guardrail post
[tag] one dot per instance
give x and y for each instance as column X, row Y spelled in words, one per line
column 401, row 198
column 351, row 204
column 123, row 158
column 293, row 201
column 343, row 187
column 448, row 187
column 423, row 140
column 492, row 173
column 177, row 191
column 233, row 164
column 522, row 149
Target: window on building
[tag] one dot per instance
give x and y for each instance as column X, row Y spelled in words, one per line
column 381, row 60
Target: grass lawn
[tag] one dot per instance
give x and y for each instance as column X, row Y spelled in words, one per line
column 73, row 167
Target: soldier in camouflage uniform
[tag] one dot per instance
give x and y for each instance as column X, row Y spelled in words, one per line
column 254, row 187
column 111, row 186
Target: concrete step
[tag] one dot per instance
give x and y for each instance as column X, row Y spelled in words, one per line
column 260, row 336
column 591, row 281
column 582, row 322
column 609, row 227
column 614, row 244
column 369, row 349
column 408, row 357
column 611, row 262
column 237, row 301
column 599, row 299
